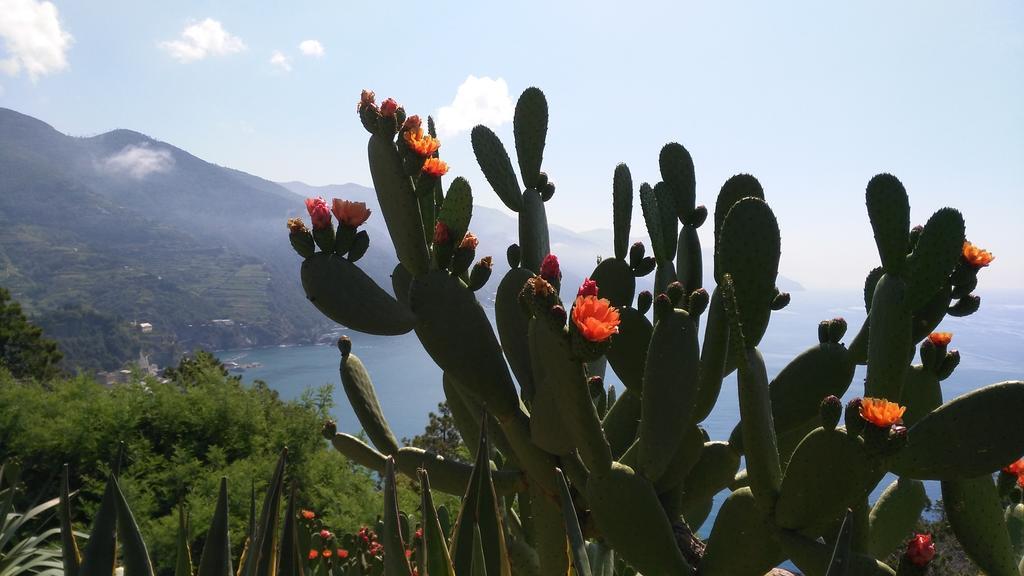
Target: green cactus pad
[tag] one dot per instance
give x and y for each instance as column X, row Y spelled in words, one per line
column 345, row 294
column 976, row 516
column 363, row 398
column 627, row 512
column 438, row 300
column 971, row 435
column 678, row 174
column 615, row 281
column 889, row 345
column 712, row 473
column 735, row 189
column 530, row 127
column 628, row 352
column 667, row 210
column 743, row 542
column 568, row 384
column 712, row 357
column 796, row 393
column 622, row 421
column 686, row 456
column 358, row 451
column 829, row 472
column 652, row 217
column 813, row 557
column 496, row 166
column 548, row 428
column 512, row 324
column 895, row 515
column 467, row 416
column 749, row 250
column 533, row 231
column 889, row 212
column 921, row 394
column 457, row 209
column 936, row 255
column 398, row 203
column 622, row 209
column 669, row 392
column 689, row 261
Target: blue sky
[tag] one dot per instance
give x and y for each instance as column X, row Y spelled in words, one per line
column 813, row 98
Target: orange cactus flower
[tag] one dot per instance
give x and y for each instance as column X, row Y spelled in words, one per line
column 422, row 144
column 469, row 241
column 940, row 338
column 977, row 257
column 1017, row 468
column 435, row 167
column 881, row 412
column 351, row 214
column 1020, row 481
column 313, row 555
column 327, row 553
column 308, row 514
column 296, row 226
column 319, row 212
column 342, row 553
column 595, row 318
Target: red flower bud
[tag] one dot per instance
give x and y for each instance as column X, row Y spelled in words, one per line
column 440, row 233
column 319, row 212
column 388, row 108
column 549, row 269
column 920, row 549
column 588, row 288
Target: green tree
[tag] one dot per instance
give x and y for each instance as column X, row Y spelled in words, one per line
column 23, row 349
column 440, row 436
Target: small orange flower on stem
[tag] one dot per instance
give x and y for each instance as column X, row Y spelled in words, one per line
column 976, row 257
column 313, row 554
column 342, row 553
column 351, row 214
column 308, row 514
column 435, row 167
column 881, row 412
column 423, row 144
column 595, row 318
column 327, row 553
column 940, row 338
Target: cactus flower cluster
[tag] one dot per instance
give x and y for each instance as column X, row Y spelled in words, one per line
column 611, row 480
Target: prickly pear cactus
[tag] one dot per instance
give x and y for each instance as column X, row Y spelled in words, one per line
column 575, row 477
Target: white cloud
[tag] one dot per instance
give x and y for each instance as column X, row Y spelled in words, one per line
column 33, row 39
column 477, row 101
column 280, row 61
column 207, row 38
column 138, row 161
column 312, row 48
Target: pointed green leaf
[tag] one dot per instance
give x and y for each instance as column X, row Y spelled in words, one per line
column 395, row 562
column 69, row 546
column 101, row 548
column 183, row 564
column 216, row 559
column 262, row 556
column 134, row 554
column 291, row 561
column 577, row 544
column 438, row 562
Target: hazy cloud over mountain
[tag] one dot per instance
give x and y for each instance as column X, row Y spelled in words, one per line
column 138, row 161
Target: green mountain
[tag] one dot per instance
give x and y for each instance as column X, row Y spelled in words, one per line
column 141, row 231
